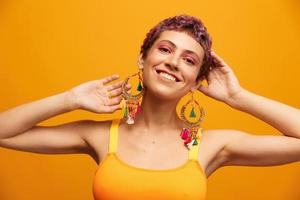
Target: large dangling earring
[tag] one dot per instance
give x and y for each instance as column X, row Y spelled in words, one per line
column 189, row 134
column 131, row 104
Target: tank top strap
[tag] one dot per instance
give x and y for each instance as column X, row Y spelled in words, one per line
column 113, row 136
column 113, row 140
column 194, row 151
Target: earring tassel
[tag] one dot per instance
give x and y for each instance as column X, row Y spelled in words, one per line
column 195, row 142
column 185, row 133
column 188, row 140
column 192, row 113
column 139, row 109
column 126, row 112
column 122, row 106
column 139, row 87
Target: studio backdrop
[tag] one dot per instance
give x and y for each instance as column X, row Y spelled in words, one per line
column 47, row 47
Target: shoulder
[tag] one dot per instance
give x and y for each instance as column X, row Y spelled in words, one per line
column 222, row 136
column 90, row 125
column 214, row 142
column 98, row 129
column 92, row 128
column 85, row 127
column 96, row 135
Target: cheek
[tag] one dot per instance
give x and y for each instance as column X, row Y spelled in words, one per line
column 154, row 58
column 190, row 74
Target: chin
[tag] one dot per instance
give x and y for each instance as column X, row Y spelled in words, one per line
column 164, row 93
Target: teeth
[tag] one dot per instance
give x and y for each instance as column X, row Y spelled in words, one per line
column 167, row 76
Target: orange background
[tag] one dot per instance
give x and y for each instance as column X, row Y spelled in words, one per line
column 47, row 47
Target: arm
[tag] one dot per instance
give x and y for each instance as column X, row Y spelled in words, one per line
column 248, row 149
column 21, row 118
column 284, row 118
column 18, row 129
column 61, row 139
column 241, row 148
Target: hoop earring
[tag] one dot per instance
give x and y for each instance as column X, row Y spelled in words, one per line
column 189, row 134
column 131, row 104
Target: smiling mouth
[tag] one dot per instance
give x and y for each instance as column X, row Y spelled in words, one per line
column 166, row 76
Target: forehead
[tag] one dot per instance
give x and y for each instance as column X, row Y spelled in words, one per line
column 182, row 40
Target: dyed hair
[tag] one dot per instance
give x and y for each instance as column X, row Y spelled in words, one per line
column 183, row 23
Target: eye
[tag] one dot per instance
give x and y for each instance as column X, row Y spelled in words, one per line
column 164, row 50
column 189, row 61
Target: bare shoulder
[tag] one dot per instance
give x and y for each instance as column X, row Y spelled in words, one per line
column 74, row 137
column 229, row 147
column 248, row 149
column 212, row 154
column 96, row 135
column 219, row 137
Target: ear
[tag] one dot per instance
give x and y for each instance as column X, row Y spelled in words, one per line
column 140, row 61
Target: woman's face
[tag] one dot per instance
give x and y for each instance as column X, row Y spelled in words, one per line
column 172, row 65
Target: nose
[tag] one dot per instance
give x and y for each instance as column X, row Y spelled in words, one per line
column 172, row 62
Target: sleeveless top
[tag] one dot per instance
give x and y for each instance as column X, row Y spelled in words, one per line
column 116, row 180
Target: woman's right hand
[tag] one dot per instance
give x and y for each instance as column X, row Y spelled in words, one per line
column 96, row 96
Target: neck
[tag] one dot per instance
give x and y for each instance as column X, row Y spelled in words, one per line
column 158, row 114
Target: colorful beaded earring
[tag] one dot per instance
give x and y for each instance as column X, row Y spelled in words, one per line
column 131, row 104
column 189, row 134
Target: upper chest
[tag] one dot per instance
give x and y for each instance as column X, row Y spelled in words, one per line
column 156, row 151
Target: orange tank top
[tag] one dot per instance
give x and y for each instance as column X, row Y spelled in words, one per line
column 116, row 180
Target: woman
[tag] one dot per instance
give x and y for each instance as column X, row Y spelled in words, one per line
column 149, row 160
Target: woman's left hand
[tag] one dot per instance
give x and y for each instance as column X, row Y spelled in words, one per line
column 222, row 82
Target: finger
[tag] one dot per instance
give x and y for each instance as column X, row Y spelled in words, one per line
column 218, row 59
column 203, row 89
column 114, row 101
column 221, row 63
column 112, row 109
column 114, row 86
column 109, row 79
column 117, row 92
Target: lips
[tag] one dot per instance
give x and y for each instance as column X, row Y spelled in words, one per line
column 165, row 71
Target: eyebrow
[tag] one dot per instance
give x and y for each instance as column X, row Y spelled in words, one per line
column 187, row 50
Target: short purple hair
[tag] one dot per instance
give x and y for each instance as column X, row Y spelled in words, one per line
column 192, row 26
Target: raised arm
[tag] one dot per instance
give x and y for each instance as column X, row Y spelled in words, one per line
column 241, row 148
column 19, row 129
column 264, row 150
column 21, row 118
